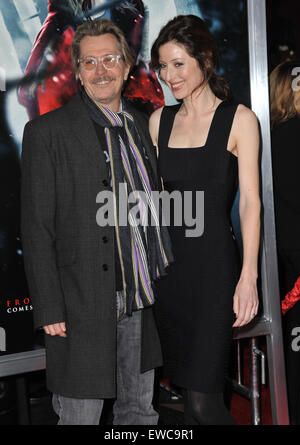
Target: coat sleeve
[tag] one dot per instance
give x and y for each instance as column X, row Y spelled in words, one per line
column 38, row 204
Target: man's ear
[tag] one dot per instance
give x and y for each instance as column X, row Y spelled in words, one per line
column 127, row 70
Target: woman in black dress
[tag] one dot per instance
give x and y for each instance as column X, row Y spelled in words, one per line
column 204, row 144
column 285, row 118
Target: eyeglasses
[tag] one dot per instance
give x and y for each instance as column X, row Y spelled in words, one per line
column 109, row 62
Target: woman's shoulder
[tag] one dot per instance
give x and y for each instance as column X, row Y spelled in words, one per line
column 245, row 119
column 243, row 113
column 156, row 115
column 154, row 124
column 245, row 130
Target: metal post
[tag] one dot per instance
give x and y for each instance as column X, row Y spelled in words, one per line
column 254, row 382
column 270, row 322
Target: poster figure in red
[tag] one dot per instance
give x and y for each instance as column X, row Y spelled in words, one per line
column 51, row 54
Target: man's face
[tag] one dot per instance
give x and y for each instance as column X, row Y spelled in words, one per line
column 103, row 86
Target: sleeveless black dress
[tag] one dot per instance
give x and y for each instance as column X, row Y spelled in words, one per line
column 194, row 305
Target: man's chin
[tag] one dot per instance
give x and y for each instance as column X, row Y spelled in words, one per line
column 108, row 102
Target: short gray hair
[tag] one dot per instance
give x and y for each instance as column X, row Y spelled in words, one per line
column 94, row 29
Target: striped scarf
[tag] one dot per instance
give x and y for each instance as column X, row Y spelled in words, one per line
column 144, row 249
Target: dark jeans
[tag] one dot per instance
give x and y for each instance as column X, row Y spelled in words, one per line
column 133, row 405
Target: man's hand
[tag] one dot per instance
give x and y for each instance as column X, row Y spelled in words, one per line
column 56, row 329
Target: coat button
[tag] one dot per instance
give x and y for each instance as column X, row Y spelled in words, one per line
column 104, row 239
column 105, row 267
column 105, row 182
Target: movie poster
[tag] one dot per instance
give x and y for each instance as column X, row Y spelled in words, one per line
column 36, row 77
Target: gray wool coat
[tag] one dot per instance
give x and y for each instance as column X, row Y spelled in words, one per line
column 69, row 259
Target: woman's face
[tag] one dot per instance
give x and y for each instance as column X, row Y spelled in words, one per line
column 179, row 70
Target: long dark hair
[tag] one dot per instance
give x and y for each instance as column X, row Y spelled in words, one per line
column 193, row 33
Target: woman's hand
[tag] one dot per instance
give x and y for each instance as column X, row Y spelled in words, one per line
column 245, row 301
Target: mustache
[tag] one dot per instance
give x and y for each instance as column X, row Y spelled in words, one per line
column 103, row 78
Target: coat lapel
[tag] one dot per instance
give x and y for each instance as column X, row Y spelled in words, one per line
column 83, row 129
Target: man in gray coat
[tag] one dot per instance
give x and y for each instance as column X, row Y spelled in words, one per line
column 91, row 282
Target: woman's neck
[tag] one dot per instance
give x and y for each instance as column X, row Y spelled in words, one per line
column 200, row 102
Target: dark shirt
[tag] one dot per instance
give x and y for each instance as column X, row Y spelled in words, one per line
column 286, row 182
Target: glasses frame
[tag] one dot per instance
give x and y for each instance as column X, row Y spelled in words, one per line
column 97, row 59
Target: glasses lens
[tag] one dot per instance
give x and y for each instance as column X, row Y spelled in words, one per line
column 89, row 64
column 109, row 62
